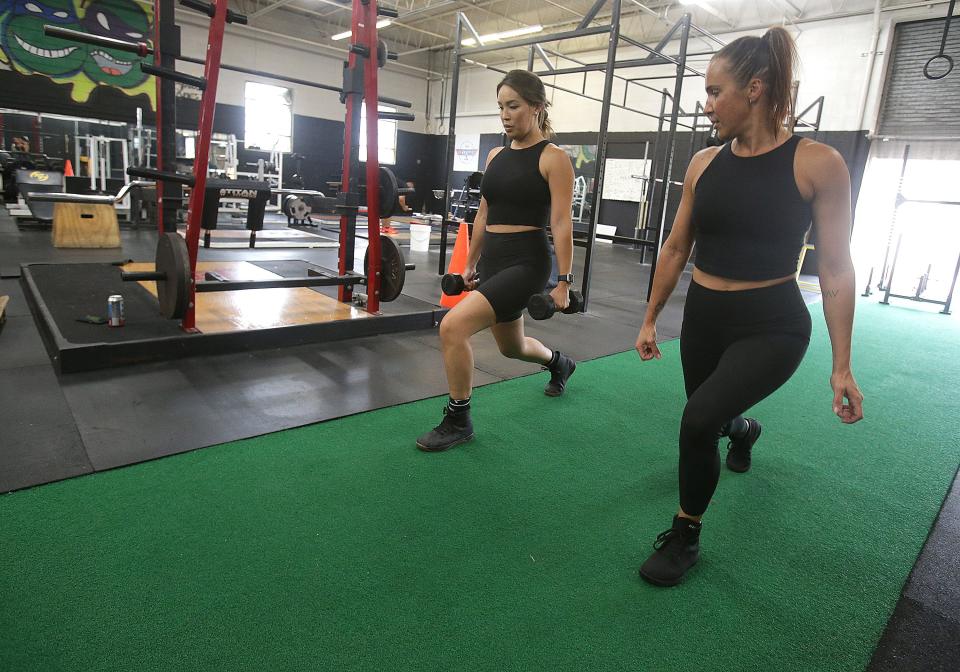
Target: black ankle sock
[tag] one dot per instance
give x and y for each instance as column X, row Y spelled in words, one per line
column 458, row 405
column 737, row 428
column 553, row 359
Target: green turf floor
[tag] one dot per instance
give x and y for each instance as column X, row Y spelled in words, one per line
column 339, row 546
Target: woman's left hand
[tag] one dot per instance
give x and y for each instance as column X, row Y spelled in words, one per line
column 845, row 387
column 561, row 296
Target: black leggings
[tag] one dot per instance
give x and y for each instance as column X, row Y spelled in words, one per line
column 512, row 268
column 736, row 348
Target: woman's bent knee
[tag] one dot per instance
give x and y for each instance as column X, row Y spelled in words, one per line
column 699, row 427
column 451, row 330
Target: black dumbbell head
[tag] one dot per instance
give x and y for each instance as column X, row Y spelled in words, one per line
column 576, row 303
column 541, row 306
column 452, row 284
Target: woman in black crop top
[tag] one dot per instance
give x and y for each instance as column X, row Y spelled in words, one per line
column 747, row 205
column 527, row 185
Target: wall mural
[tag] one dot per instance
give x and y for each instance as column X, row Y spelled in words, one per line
column 25, row 49
column 580, row 155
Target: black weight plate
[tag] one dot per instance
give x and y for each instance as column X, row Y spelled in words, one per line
column 288, row 202
column 382, row 53
column 393, row 268
column 389, row 193
column 173, row 260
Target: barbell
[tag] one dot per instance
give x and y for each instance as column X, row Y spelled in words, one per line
column 173, row 276
column 298, row 204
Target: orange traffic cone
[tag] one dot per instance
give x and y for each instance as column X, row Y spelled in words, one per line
column 67, row 168
column 458, row 262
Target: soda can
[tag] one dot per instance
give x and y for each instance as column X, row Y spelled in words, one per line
column 115, row 310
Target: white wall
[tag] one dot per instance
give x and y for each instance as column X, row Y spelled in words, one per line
column 834, row 56
column 248, row 48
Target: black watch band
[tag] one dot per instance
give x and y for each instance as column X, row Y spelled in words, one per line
column 567, row 278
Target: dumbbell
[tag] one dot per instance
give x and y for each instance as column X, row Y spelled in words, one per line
column 542, row 307
column 453, row 284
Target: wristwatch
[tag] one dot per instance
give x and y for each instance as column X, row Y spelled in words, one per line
column 568, row 278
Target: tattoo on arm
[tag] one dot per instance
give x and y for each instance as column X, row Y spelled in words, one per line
column 657, row 308
column 830, row 293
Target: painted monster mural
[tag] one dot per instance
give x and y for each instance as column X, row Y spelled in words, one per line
column 25, row 48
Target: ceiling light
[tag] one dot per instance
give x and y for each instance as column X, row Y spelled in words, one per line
column 383, row 23
column 505, row 35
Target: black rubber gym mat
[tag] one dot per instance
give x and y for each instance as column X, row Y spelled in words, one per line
column 40, row 442
column 18, row 304
column 20, row 345
column 917, row 639
column 147, row 411
column 71, row 292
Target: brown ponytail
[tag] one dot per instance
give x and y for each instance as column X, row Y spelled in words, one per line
column 771, row 58
column 544, row 120
column 531, row 89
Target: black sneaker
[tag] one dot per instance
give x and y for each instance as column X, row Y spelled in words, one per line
column 559, row 374
column 738, row 450
column 454, row 429
column 676, row 551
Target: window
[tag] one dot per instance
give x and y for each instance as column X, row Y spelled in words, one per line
column 386, row 136
column 269, row 117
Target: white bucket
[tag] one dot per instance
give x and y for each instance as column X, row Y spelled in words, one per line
column 420, row 237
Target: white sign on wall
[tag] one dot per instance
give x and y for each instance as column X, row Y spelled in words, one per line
column 625, row 179
column 466, row 153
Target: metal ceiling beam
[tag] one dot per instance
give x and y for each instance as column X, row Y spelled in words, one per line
column 543, row 56
column 269, row 8
column 591, row 14
column 552, row 37
column 605, row 15
column 400, row 22
column 473, row 31
column 286, row 39
column 563, row 7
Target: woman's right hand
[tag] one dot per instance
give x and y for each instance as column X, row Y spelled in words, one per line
column 647, row 343
column 470, row 278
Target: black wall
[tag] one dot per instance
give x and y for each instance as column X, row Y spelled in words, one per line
column 321, row 142
column 55, row 136
column 38, row 93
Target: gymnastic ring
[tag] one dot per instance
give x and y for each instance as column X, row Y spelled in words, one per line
column 926, row 67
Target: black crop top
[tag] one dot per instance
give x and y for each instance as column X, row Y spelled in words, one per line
column 749, row 218
column 514, row 188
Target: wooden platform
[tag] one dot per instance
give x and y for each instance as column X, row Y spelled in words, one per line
column 220, row 312
column 90, row 225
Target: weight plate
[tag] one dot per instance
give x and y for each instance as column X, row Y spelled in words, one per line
column 389, row 193
column 393, row 268
column 173, row 261
column 382, row 53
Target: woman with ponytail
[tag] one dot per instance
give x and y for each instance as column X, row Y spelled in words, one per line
column 527, row 186
column 748, row 205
